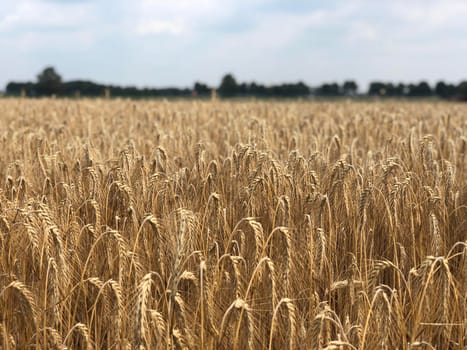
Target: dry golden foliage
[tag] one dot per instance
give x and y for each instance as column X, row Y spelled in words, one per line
column 232, row 225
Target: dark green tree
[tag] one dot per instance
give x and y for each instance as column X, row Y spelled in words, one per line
column 441, row 89
column 350, row 88
column 228, row 87
column 462, row 91
column 444, row 90
column 201, row 89
column 400, row 90
column 421, row 89
column 329, row 90
column 48, row 82
column 377, row 89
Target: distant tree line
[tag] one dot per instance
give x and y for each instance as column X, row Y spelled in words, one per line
column 49, row 83
column 422, row 89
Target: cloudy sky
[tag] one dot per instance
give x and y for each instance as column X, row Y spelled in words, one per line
column 174, row 43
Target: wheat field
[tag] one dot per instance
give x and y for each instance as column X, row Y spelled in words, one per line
column 232, row 225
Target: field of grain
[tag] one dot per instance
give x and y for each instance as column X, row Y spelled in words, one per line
column 232, row 225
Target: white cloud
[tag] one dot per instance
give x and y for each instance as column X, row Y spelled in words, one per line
column 432, row 13
column 275, row 31
column 178, row 17
column 42, row 15
column 362, row 31
column 173, row 27
column 56, row 41
column 31, row 25
column 187, row 16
